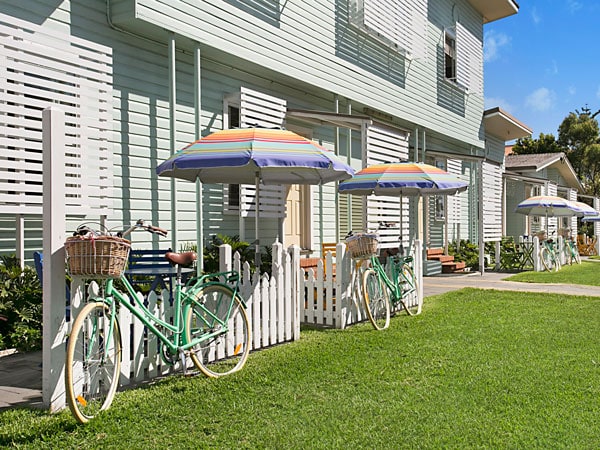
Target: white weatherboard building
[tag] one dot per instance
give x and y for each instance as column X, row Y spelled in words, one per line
column 374, row 80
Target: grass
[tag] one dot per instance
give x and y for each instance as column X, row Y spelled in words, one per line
column 478, row 369
column 585, row 273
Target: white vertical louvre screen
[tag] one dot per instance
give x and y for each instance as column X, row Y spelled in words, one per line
column 385, row 145
column 492, row 202
column 550, row 224
column 400, row 24
column 40, row 68
column 262, row 110
column 572, row 195
column 453, row 202
column 469, row 60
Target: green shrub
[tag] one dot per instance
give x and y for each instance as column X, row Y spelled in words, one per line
column 467, row 252
column 245, row 249
column 20, row 305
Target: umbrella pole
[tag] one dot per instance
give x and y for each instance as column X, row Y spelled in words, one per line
column 256, row 210
column 401, row 244
column 199, row 229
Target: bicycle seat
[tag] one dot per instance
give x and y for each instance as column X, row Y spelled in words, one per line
column 182, row 259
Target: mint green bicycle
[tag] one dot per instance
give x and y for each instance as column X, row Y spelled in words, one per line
column 570, row 251
column 210, row 323
column 384, row 286
column 549, row 255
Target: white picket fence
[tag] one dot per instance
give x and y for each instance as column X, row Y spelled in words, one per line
column 336, row 301
column 277, row 304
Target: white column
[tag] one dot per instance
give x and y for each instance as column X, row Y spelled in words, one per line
column 54, row 331
column 20, row 244
column 173, row 133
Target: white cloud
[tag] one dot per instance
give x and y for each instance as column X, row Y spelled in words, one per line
column 540, row 100
column 493, row 42
column 553, row 70
column 572, row 90
column 574, row 5
column 535, row 16
column 598, row 92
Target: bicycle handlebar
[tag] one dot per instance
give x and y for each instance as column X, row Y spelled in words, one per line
column 85, row 230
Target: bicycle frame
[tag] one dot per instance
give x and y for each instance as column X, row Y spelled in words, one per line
column 183, row 301
column 394, row 287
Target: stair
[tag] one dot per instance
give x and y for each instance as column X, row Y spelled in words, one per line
column 447, row 261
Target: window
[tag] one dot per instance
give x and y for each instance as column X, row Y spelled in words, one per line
column 450, row 54
column 463, row 58
column 398, row 24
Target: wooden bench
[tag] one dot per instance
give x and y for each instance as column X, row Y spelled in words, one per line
column 150, row 267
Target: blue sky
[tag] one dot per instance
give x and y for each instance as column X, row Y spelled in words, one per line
column 544, row 62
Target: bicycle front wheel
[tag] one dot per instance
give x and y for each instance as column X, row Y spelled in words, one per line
column 218, row 320
column 410, row 286
column 547, row 259
column 377, row 304
column 93, row 362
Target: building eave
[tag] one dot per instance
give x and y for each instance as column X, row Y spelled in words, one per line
column 493, row 10
column 501, row 124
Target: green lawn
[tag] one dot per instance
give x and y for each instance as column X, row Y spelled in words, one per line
column 478, row 369
column 585, row 273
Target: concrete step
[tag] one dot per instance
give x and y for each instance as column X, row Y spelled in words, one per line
column 453, row 267
column 441, row 258
column 434, row 251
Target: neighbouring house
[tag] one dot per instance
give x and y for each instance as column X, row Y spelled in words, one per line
column 138, row 79
column 537, row 174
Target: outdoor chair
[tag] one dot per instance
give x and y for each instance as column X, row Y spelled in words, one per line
column 586, row 245
column 511, row 257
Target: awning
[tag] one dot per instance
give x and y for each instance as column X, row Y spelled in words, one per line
column 501, row 124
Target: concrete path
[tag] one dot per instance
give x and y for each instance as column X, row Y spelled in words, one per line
column 440, row 284
column 21, row 374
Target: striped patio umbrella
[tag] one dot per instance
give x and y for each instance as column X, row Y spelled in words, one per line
column 402, row 178
column 245, row 155
column 252, row 156
column 585, row 209
column 549, row 206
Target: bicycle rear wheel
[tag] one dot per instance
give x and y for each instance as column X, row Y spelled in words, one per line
column 377, row 304
column 93, row 362
column 219, row 317
column 410, row 285
column 576, row 256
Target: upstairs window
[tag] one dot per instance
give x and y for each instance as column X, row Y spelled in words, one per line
column 450, row 55
column 463, row 58
column 399, row 24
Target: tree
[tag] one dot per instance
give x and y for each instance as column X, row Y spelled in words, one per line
column 579, row 135
column 546, row 143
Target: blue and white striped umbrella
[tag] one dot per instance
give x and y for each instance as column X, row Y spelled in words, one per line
column 549, row 206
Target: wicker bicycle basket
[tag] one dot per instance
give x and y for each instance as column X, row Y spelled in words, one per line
column 362, row 246
column 101, row 257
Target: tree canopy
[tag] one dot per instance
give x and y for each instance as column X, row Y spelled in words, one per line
column 579, row 139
